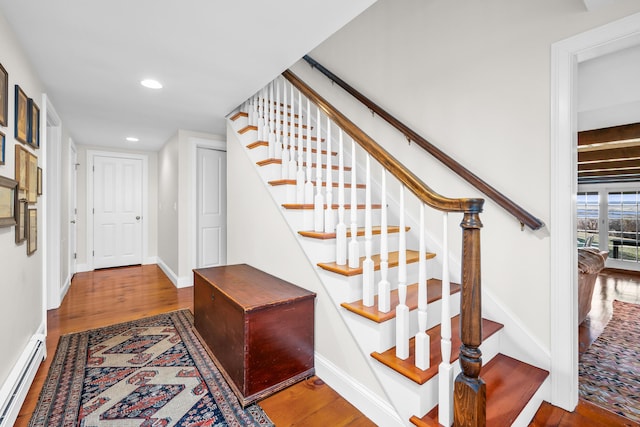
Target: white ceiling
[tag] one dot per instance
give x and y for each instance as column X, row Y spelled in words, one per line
column 609, row 89
column 210, row 55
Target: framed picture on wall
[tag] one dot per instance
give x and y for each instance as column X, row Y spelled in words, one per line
column 21, row 221
column 8, row 194
column 34, row 125
column 32, row 178
column 32, row 231
column 4, row 96
column 22, row 157
column 2, row 148
column 39, row 181
column 21, row 116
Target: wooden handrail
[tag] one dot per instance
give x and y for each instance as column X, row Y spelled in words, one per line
column 390, row 163
column 521, row 214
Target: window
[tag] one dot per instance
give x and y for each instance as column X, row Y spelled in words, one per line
column 622, row 208
column 588, row 205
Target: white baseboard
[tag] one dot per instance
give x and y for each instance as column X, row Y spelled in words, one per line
column 15, row 388
column 65, row 288
column 178, row 282
column 83, row 268
column 373, row 406
column 150, row 260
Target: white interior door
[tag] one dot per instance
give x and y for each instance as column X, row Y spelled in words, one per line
column 73, row 209
column 117, row 211
column 212, row 207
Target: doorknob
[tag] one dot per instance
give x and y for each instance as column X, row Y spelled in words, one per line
column 73, row 221
column 138, row 217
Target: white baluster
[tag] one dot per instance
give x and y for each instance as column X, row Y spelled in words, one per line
column 292, row 139
column 354, row 250
column 253, row 120
column 341, row 228
column 402, row 311
column 445, row 369
column 265, row 114
column 384, row 287
column 318, row 201
column 271, row 137
column 277, row 122
column 329, row 214
column 368, row 288
column 285, row 136
column 300, row 171
column 260, row 118
column 422, row 339
column 308, row 185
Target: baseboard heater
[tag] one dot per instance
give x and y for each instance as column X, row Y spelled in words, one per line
column 15, row 388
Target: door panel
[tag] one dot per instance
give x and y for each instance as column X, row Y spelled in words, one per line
column 211, row 205
column 117, row 211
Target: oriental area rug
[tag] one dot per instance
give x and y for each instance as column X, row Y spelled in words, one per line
column 610, row 369
column 152, row 372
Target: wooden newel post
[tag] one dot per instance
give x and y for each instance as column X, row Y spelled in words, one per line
column 469, row 389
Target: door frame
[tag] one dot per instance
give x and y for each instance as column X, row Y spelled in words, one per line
column 51, row 131
column 194, row 144
column 73, row 204
column 565, row 56
column 91, row 154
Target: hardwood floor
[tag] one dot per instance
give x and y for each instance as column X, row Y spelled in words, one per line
column 610, row 285
column 105, row 297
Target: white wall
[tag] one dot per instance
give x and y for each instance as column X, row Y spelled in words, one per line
column 473, row 78
column 152, row 202
column 21, row 311
column 250, row 241
column 168, row 204
column 177, row 203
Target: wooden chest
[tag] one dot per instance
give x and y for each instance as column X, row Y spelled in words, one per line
column 258, row 328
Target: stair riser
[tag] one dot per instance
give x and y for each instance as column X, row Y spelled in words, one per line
column 381, row 337
column 287, row 194
column 350, row 288
column 274, row 171
column 302, row 219
column 325, row 250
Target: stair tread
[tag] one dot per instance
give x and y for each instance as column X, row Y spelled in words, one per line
column 407, row 367
column 261, row 143
column 273, row 161
column 345, row 270
column 510, row 385
column 277, row 182
column 375, row 230
column 310, row 206
column 239, row 114
column 434, row 293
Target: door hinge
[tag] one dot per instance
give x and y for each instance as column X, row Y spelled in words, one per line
column 93, row 253
column 75, row 256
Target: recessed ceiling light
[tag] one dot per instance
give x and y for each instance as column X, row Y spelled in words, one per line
column 132, row 139
column 151, row 84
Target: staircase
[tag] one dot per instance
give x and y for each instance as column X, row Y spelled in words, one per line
column 376, row 272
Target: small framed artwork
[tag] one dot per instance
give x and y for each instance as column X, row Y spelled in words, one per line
column 2, row 148
column 32, row 178
column 8, row 193
column 21, row 221
column 22, row 116
column 39, row 181
column 22, row 157
column 4, row 96
column 34, row 125
column 32, row 231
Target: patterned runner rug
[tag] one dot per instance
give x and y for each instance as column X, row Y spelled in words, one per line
column 152, row 372
column 610, row 369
